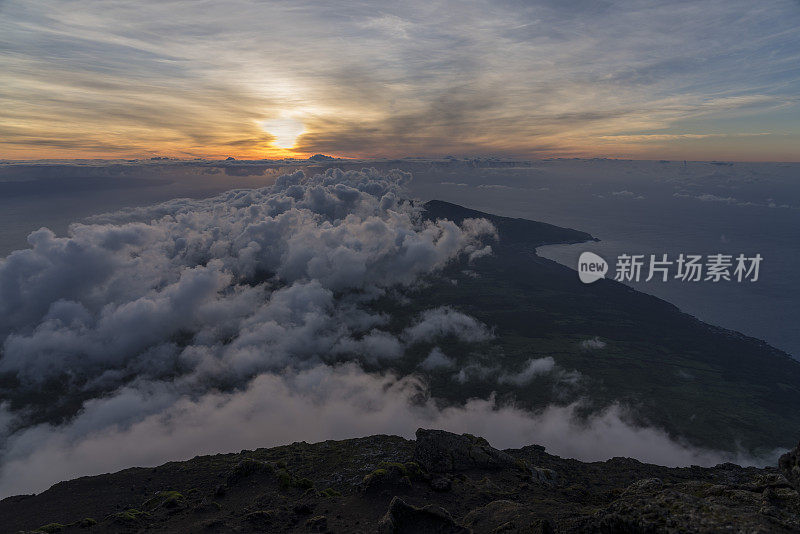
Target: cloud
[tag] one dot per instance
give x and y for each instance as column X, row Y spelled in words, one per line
column 188, row 298
column 480, row 253
column 593, row 343
column 627, row 194
column 445, row 321
column 437, row 360
column 248, row 276
column 149, row 425
column 709, row 197
column 534, row 367
column 714, row 198
column 508, row 78
column 645, row 138
column 246, row 320
column 494, row 186
column 560, row 381
column 253, row 262
column 375, row 347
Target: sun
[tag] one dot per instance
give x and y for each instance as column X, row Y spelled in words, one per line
column 285, row 131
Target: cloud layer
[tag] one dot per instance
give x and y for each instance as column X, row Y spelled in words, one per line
column 313, row 405
column 257, row 269
column 245, row 320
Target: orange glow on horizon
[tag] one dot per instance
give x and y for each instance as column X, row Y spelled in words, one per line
column 210, row 153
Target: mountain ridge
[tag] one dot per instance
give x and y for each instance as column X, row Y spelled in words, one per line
column 440, row 482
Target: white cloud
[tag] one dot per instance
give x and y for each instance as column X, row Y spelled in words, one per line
column 706, row 197
column 593, row 343
column 437, row 360
column 480, row 253
column 445, row 321
column 535, row 367
column 256, row 267
column 152, row 424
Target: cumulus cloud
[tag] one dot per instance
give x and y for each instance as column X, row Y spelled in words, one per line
column 437, row 360
column 258, row 266
column 445, row 321
column 375, row 347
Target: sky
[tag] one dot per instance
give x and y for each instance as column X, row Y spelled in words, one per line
column 716, row 79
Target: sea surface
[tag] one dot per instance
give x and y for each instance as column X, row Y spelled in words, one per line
column 632, row 207
column 643, row 207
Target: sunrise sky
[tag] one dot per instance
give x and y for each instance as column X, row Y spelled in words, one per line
column 715, row 79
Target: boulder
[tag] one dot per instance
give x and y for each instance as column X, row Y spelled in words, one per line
column 438, row 451
column 441, row 483
column 789, row 465
column 317, row 524
column 543, row 476
column 507, row 517
column 390, row 478
column 403, row 518
column 645, row 485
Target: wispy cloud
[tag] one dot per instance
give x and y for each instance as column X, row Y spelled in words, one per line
column 646, row 138
column 383, row 78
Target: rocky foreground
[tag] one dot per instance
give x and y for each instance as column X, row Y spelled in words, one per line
column 440, row 483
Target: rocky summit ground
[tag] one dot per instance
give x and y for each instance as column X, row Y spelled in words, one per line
column 439, row 483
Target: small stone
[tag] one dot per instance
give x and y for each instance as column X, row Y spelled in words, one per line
column 317, row 524
column 441, row 484
column 302, row 508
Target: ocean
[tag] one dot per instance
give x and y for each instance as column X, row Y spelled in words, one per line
column 644, row 207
